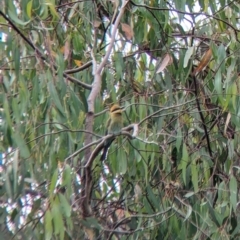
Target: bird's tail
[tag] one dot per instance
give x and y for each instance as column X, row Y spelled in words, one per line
column 105, row 149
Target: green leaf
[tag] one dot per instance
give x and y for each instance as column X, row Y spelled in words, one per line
column 20, row 142
column 221, row 57
column 189, row 194
column 184, row 162
column 153, row 199
column 16, row 58
column 194, row 174
column 179, row 138
column 16, row 110
column 66, row 177
column 29, row 9
column 233, row 95
column 91, row 223
column 169, row 86
column 66, row 208
column 218, row 85
column 57, row 216
column 15, row 170
column 188, row 55
column 189, row 212
column 51, row 5
column 53, row 182
column 55, row 97
column 119, row 64
column 14, row 17
column 233, row 192
column 7, row 113
column 48, row 225
column 122, row 162
column 61, row 67
column 180, row 5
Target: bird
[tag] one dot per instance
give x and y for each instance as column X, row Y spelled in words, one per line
column 114, row 126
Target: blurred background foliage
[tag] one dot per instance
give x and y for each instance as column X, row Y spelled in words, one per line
column 174, row 67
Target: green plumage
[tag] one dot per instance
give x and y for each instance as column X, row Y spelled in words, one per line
column 114, row 126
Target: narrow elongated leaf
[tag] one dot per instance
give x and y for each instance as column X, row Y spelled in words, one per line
column 194, row 174
column 48, row 225
column 66, row 208
column 57, row 217
column 127, row 30
column 204, row 62
column 53, row 181
column 16, row 19
column 122, row 161
column 184, row 162
column 29, row 9
column 218, row 85
column 55, row 97
column 233, row 192
column 188, row 55
column 167, row 60
column 20, row 142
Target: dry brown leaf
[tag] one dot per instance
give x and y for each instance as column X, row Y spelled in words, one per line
column 90, row 233
column 120, row 213
column 167, row 60
column 127, row 30
column 96, row 24
column 204, row 62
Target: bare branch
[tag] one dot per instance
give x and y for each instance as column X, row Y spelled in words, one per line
column 96, row 86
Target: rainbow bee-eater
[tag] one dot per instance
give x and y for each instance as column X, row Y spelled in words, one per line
column 114, row 126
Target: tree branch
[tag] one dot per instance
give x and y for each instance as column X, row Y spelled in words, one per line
column 96, row 86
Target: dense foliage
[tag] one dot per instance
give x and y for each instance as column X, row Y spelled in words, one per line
column 173, row 173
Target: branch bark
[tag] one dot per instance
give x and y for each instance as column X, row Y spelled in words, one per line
column 86, row 178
